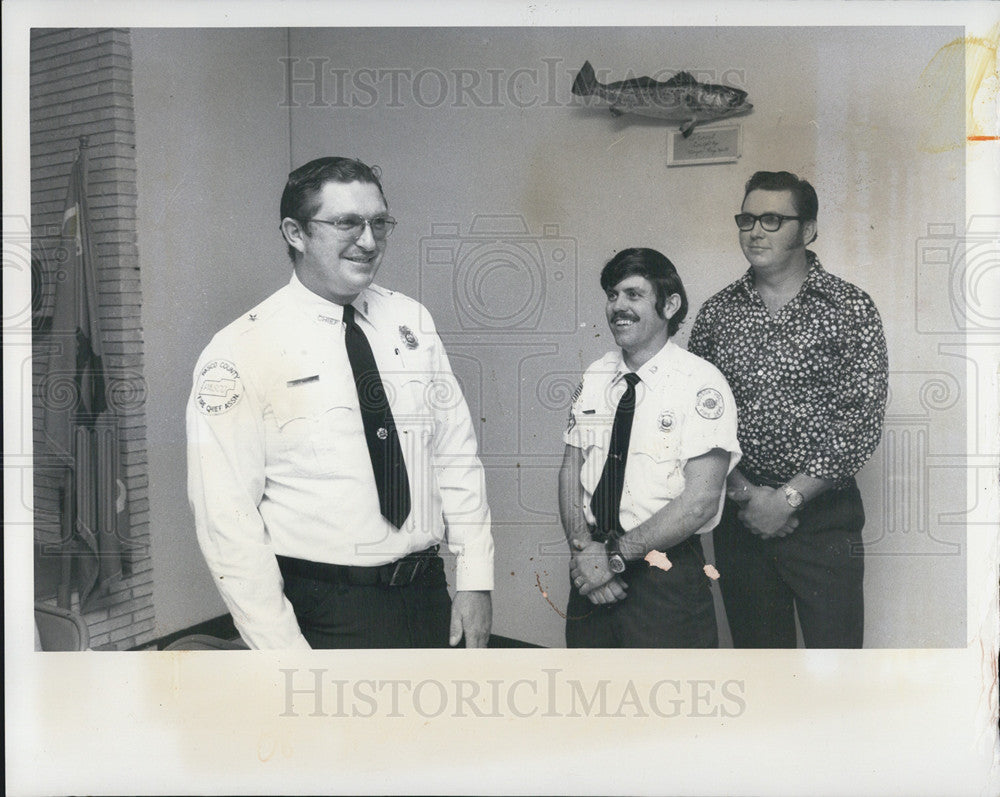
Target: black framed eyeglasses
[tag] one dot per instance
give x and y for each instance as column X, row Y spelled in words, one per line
column 769, row 222
column 351, row 225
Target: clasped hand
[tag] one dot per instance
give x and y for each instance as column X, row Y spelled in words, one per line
column 591, row 575
column 766, row 512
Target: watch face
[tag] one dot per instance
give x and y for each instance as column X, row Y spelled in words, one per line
column 617, row 563
column 794, row 497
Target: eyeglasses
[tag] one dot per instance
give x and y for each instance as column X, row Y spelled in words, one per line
column 353, row 226
column 769, row 222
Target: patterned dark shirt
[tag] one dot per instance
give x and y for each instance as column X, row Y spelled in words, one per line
column 810, row 383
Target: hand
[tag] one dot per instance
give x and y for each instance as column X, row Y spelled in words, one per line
column 740, row 495
column 611, row 592
column 591, row 575
column 785, row 530
column 767, row 513
column 471, row 614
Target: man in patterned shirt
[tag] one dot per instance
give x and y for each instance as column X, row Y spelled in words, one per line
column 805, row 356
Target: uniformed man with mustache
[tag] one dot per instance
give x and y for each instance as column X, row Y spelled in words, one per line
column 330, row 447
column 651, row 439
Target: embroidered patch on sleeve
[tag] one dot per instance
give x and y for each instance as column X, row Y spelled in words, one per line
column 709, row 403
column 219, row 388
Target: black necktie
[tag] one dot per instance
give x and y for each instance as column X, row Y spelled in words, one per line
column 607, row 499
column 380, row 428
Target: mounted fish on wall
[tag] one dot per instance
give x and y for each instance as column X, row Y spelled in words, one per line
column 680, row 99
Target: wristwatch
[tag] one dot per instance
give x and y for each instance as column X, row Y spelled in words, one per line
column 793, row 496
column 615, row 559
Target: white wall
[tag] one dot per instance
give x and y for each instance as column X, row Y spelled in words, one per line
column 843, row 107
column 212, row 158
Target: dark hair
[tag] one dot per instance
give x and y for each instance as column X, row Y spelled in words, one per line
column 657, row 269
column 298, row 200
column 803, row 194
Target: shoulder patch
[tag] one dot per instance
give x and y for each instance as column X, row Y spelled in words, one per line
column 219, row 388
column 709, row 403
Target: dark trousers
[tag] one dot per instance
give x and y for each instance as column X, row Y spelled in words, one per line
column 817, row 570
column 341, row 614
column 663, row 609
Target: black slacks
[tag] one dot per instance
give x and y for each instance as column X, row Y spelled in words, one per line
column 348, row 615
column 663, row 609
column 817, row 570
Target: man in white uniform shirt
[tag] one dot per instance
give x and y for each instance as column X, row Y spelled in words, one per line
column 330, row 449
column 651, row 439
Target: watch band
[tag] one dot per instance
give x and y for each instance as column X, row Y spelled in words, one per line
column 615, row 559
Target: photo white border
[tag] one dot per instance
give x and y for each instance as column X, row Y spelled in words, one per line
column 818, row 722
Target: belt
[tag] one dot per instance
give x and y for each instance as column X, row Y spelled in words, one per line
column 400, row 573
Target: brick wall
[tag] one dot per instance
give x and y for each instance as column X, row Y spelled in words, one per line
column 81, row 85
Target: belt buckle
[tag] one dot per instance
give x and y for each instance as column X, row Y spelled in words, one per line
column 405, row 572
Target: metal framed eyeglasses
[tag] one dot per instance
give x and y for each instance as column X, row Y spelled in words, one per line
column 769, row 222
column 351, row 225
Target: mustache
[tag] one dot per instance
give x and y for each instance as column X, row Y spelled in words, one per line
column 622, row 316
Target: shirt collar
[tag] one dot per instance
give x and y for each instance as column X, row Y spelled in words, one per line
column 818, row 279
column 653, row 369
column 325, row 310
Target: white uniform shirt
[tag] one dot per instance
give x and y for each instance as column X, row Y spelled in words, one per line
column 684, row 409
column 277, row 459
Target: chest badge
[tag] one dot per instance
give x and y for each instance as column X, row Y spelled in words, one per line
column 382, row 433
column 408, row 338
column 709, row 403
column 666, row 421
